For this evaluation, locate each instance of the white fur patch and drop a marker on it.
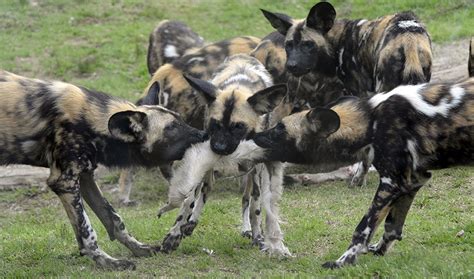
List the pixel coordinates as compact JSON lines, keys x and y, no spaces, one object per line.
{"x":412,"y":94}
{"x":386,"y":180}
{"x":170,"y":51}
{"x":199,"y":159}
{"x":263,"y":74}
{"x":341,"y":53}
{"x":236,"y":79}
{"x":411,"y":145}
{"x":198,"y":59}
{"x":362,"y":21}
{"x":408,"y":23}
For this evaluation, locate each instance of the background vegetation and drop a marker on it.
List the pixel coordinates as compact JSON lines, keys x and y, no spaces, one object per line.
{"x":102,"y":45}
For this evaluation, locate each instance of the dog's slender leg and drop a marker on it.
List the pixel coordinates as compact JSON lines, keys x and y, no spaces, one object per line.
{"x":125,"y":186}
{"x":271,"y":183}
{"x":175,"y":234}
{"x":67,"y":186}
{"x":201,"y":198}
{"x":109,"y":217}
{"x":397,"y":215}
{"x":255,"y":212}
{"x":247,"y":184}
{"x":360,"y":174}
{"x":387,"y":192}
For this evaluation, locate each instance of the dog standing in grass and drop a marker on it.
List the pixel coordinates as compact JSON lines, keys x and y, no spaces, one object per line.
{"x":367,"y":56}
{"x":241,"y":99}
{"x":177,"y":95}
{"x":70,"y":130}
{"x":411,"y":130}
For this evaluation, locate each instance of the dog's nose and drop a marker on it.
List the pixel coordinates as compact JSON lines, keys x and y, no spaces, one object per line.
{"x":219,"y":147}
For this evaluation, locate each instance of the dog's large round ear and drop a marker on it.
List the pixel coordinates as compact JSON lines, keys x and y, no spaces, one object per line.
{"x":205,"y":88}
{"x":280,"y":22}
{"x":323,"y":121}
{"x":129,"y":126}
{"x":321,"y":17}
{"x":267,"y":99}
{"x":152,"y":97}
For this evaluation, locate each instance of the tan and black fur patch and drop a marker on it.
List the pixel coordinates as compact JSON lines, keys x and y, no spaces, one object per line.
{"x":170,"y":40}
{"x":175,"y":92}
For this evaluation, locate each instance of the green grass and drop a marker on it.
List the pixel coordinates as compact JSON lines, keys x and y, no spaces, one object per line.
{"x":37,"y":240}
{"x":102,"y":45}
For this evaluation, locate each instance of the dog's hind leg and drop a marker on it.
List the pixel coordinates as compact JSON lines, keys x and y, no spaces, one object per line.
{"x":67,"y":186}
{"x":125,"y":186}
{"x":271,"y":176}
{"x":111,"y":220}
{"x":396,"y":217}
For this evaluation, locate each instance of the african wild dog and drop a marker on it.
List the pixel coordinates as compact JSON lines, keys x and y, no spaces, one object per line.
{"x":177,"y":95}
{"x":368,"y":56}
{"x":307,"y":91}
{"x":409,"y":130}
{"x":170,"y":40}
{"x":70,"y":130}
{"x":240,"y":97}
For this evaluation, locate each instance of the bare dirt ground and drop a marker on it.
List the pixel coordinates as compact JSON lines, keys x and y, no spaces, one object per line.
{"x":450,"y":64}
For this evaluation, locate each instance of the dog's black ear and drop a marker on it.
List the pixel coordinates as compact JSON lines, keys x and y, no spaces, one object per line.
{"x":267,"y":99}
{"x":321,"y":17}
{"x":280,"y":22}
{"x":205,"y":88}
{"x":323,"y":121}
{"x":129,"y":125}
{"x":152,"y":97}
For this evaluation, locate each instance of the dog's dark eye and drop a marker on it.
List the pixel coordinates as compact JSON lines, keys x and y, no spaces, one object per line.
{"x":239,"y":126}
{"x":214,"y":125}
{"x":307,"y":45}
{"x":280,"y":127}
{"x":288,"y":45}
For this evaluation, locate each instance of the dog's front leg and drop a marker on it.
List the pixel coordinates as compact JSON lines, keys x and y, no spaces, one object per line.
{"x":67,"y":186}
{"x":111,"y":219}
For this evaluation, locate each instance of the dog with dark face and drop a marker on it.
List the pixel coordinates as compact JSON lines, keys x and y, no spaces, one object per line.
{"x":307,"y":91}
{"x":368,"y":56}
{"x":409,"y":131}
{"x":177,"y":95}
{"x":241,"y":100}
{"x":170,"y":40}
{"x":70,"y":130}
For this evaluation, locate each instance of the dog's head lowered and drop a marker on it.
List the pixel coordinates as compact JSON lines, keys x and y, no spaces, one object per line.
{"x":306,"y":43}
{"x":235,"y":113}
{"x":161,"y":133}
{"x":297,"y":135}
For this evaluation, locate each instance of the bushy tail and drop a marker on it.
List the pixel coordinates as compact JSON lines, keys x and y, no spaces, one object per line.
{"x":470,"y":66}
{"x":417,"y":58}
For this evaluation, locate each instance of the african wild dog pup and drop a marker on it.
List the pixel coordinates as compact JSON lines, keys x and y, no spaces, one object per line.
{"x":170,"y":40}
{"x":240,"y":97}
{"x":70,"y":130}
{"x":177,"y":95}
{"x":368,"y":56}
{"x":410,"y":130}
